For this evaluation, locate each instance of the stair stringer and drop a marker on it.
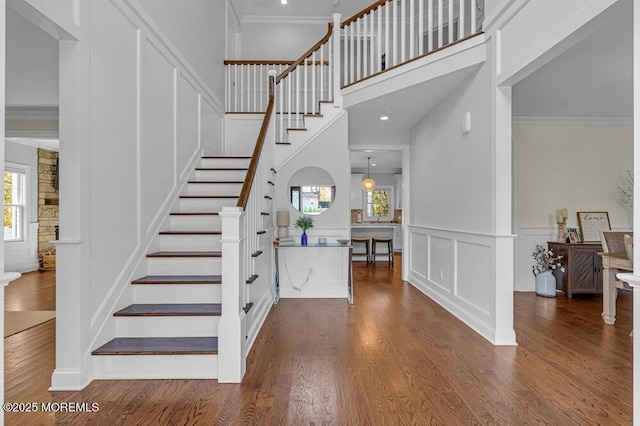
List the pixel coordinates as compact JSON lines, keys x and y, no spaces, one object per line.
{"x":300,"y":139}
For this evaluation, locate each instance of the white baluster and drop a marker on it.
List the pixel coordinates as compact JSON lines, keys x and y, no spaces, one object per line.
{"x":450,"y":32}
{"x":313,"y":80}
{"x":297,"y":71}
{"x":474,"y":24}
{"x":306,"y":86}
{"x":352,"y":53}
{"x":321,"y":68}
{"x":371,"y":39}
{"x":403,"y":31}
{"x":254,"y":70}
{"x":412,"y":36}
{"x":394,"y":45}
{"x":365,"y":48}
{"x":379,"y":12}
{"x":281,"y":84}
{"x":235,"y":88}
{"x":289,"y":108}
{"x":242,"y":88}
{"x":420,"y":27}
{"x":358,"y":51}
{"x":430,"y":25}
{"x":347,"y":52}
{"x":461,"y":20}
{"x":387,"y":54}
{"x":330,"y":70}
{"x":440,"y":23}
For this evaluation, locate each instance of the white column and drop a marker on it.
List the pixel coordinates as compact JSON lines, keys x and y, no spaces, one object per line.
{"x":232,"y":324}
{"x":336,"y":61}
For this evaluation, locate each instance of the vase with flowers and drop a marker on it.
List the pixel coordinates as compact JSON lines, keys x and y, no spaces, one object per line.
{"x":545,"y":263}
{"x":304,"y":222}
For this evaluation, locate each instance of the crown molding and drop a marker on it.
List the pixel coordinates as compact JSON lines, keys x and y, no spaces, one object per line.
{"x":263,"y":19}
{"x":574,"y":121}
{"x":32,"y":113}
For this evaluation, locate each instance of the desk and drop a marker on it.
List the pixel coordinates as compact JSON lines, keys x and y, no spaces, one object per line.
{"x":320,"y":246}
{"x":612,"y":264}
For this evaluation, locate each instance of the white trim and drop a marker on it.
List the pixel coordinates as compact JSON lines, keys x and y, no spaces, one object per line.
{"x":35,"y":141}
{"x":574,"y":121}
{"x":232,"y":18}
{"x":455,"y":231}
{"x":261,"y":19}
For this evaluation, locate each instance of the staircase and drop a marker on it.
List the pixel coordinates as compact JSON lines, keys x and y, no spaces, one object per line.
{"x":168,"y":332}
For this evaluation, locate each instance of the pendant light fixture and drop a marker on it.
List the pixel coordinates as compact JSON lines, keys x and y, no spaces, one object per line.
{"x":368,"y":184}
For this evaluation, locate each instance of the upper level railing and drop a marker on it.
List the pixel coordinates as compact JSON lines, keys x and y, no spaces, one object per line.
{"x":391,"y":32}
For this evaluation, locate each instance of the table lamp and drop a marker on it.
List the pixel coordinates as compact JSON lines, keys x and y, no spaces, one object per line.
{"x":282,"y":220}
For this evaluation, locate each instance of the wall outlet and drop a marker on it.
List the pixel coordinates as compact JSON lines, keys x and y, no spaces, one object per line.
{"x":441,"y":275}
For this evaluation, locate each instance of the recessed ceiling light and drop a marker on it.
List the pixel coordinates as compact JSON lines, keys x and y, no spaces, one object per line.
{"x":386,"y":115}
{"x":283,"y":1}
{"x":373,"y":164}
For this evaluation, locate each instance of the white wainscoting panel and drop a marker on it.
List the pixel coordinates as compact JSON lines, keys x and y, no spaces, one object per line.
{"x":468,"y":259}
{"x":188,"y":123}
{"x":241,"y":133}
{"x":525,"y":243}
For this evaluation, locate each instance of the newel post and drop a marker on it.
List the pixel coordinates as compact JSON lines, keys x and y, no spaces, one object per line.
{"x":232,"y":324}
{"x":337,"y":61}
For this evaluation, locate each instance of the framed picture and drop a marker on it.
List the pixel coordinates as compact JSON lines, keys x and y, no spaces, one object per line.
{"x":574,"y":235}
{"x":591,"y":223}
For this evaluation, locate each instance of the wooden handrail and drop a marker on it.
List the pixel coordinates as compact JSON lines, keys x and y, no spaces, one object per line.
{"x":255,"y":158}
{"x":308,"y":53}
{"x":363,"y":12}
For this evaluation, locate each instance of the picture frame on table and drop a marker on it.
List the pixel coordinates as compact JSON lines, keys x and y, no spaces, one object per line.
{"x":591,"y":223}
{"x":573,"y":234}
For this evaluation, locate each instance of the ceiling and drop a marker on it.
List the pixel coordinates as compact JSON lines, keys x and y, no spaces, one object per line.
{"x":299,"y":8}
{"x":386,"y":161}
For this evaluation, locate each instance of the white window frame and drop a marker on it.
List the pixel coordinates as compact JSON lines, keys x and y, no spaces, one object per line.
{"x":24,"y":205}
{"x":391,"y":205}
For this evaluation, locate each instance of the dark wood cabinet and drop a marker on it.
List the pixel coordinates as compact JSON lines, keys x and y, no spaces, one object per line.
{"x":583,"y":267}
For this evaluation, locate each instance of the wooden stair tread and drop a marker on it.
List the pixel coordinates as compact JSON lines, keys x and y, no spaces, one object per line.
{"x":186,"y":254}
{"x":251,"y":279}
{"x":256,"y":254}
{"x":179,"y":279}
{"x":222,"y":169}
{"x":159,"y":346}
{"x":190,"y":233}
{"x":298,"y":129}
{"x":283,"y":143}
{"x":230,"y":158}
{"x":248,"y":307}
{"x":170,"y":309}
{"x":210,"y":196}
{"x":212,"y":182}
{"x":195,"y":214}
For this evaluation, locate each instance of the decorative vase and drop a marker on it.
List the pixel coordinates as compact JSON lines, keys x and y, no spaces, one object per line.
{"x":546,"y":284}
{"x":303,"y":238}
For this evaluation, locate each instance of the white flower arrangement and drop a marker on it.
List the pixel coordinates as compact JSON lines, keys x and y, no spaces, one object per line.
{"x":545,"y":260}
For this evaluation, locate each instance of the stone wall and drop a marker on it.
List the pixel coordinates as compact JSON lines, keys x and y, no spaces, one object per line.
{"x":48,"y":203}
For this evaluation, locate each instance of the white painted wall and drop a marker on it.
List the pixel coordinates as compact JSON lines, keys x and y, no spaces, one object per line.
{"x":241,"y":133}
{"x":328,"y":151}
{"x":284,"y":41}
{"x":198,"y":33}
{"x":566,"y":165}
{"x":146,"y":115}
{"x":32,"y":64}
{"x":378,"y":136}
{"x":22,"y":256}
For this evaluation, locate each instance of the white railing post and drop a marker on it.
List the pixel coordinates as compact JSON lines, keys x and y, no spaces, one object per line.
{"x":336,"y":61}
{"x":232,"y":324}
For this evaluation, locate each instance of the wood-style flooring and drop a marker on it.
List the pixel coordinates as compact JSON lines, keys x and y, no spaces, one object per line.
{"x":394,"y":357}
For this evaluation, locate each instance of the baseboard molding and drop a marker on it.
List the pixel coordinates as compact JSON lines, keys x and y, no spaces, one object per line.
{"x":485,"y":330}
{"x":69,"y":380}
{"x":262,"y":311}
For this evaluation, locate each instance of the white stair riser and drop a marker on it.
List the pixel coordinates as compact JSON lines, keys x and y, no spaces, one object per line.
{"x":190,"y":242}
{"x":206,"y":175}
{"x":195,"y":223}
{"x":184,"y":265}
{"x":221,"y":163}
{"x":156,"y":366}
{"x":213,"y":189}
{"x":169,"y":326}
{"x":205,"y":204}
{"x":177,"y":293}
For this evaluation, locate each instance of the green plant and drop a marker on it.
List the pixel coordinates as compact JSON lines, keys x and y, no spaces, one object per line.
{"x":304,"y":222}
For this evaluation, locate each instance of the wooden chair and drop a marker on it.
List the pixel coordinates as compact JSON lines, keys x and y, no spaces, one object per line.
{"x":617,"y":256}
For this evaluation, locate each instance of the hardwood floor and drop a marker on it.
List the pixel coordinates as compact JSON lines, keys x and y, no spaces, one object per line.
{"x":394,"y":357}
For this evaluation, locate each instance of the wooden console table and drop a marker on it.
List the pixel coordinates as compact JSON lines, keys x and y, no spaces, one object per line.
{"x":583,"y":267}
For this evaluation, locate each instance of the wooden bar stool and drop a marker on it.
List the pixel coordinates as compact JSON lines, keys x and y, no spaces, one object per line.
{"x":364,"y":240}
{"x":389,"y":241}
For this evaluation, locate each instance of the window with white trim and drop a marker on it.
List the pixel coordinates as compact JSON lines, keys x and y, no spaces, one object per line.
{"x":379,"y":203}
{"x":15,"y":194}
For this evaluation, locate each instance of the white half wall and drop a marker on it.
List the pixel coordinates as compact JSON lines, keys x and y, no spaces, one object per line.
{"x":241,"y":133}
